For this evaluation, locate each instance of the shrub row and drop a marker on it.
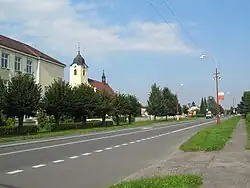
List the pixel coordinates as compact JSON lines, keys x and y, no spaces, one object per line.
{"x":12,"y":131}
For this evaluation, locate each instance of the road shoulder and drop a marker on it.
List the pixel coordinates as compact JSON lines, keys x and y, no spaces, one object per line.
{"x":229,"y":167}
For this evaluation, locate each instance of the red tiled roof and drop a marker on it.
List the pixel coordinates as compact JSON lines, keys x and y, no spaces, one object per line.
{"x":100,"y":86}
{"x":19,"y":46}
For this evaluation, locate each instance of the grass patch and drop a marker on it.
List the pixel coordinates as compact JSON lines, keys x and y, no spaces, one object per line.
{"x":248,"y":131}
{"x":177,"y":181}
{"x":85,"y":130}
{"x":213,"y":138}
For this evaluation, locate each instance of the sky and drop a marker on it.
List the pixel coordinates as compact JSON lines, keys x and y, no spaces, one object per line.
{"x":132,"y":42}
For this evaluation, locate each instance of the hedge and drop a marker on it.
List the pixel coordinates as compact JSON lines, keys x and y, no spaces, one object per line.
{"x":90,"y":124}
{"x":11,"y":131}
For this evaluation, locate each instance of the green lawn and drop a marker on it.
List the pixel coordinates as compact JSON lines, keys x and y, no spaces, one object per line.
{"x":84,"y":131}
{"x":180,"y":181}
{"x":212,"y":138}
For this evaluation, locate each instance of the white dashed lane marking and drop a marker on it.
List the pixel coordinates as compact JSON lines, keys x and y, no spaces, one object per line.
{"x":131,"y":142}
{"x":125,"y":144}
{"x":86,"y":154}
{"x":39,"y":166}
{"x":117,"y":146}
{"x":98,"y":151}
{"x":108,"y":148}
{"x":73,"y":157}
{"x":58,"y":161}
{"x":14,"y":172}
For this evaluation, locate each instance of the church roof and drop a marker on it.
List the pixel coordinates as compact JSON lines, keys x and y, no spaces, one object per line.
{"x":100,"y":86}
{"x":79,"y":60}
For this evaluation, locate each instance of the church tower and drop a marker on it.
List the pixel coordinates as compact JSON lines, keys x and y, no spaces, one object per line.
{"x":78,"y":71}
{"x":104,"y":78}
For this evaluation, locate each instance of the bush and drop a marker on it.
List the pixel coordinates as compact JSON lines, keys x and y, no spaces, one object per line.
{"x":12,"y":131}
{"x":90,"y":124}
{"x":123,"y":119}
{"x":200,"y":115}
{"x":45,"y":121}
{"x":248,"y":118}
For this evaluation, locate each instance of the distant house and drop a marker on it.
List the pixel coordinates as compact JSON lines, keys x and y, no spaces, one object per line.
{"x":79,"y":75}
{"x":193,"y":110}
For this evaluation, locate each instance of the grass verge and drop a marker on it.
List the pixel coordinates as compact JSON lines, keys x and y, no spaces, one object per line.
{"x":248,"y":131}
{"x":177,"y":181}
{"x":86,"y":130}
{"x":213,"y":138}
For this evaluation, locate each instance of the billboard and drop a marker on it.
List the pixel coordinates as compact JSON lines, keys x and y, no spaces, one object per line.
{"x":221,"y":96}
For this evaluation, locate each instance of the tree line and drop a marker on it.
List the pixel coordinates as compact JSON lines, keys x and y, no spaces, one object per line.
{"x":23,"y":97}
{"x":209,"y":104}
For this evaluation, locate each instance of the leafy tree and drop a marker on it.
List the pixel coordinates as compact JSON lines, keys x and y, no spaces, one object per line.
{"x":119,"y":103}
{"x":212,"y":105}
{"x":180,"y":109}
{"x":166,"y":101}
{"x":2,"y":94}
{"x":22,"y":98}
{"x":155,"y":105}
{"x":105,"y":105}
{"x":85,"y":101}
{"x":173,"y":102}
{"x":132,"y":107}
{"x":57,"y":100}
{"x":185,"y":109}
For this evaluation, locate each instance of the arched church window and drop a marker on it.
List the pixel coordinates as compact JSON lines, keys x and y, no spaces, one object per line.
{"x":83,"y":72}
{"x":75,"y":72}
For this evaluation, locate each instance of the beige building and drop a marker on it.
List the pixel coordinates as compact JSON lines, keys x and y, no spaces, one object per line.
{"x":19,"y":57}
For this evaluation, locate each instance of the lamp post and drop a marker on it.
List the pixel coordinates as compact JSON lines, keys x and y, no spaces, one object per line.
{"x":216,"y":77}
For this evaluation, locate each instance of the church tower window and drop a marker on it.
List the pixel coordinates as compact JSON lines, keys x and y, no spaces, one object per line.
{"x":75,"y":72}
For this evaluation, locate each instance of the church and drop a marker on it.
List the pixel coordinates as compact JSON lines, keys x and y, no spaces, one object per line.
{"x":79,"y":75}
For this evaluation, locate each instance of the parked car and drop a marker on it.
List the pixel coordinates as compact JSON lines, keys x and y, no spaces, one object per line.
{"x":209,"y":115}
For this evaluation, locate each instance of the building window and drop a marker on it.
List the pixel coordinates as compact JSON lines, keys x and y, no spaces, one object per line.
{"x":17,"y":64}
{"x":75,"y":72}
{"x":4,"y":60}
{"x":83,"y":72}
{"x":29,"y":67}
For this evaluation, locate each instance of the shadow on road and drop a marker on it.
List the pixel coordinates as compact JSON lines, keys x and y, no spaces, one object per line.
{"x":7,"y":186}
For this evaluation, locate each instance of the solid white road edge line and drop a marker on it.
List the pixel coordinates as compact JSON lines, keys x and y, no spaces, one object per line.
{"x":93,"y":139}
{"x":90,"y":134}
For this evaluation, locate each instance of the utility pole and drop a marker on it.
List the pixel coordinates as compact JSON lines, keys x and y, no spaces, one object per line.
{"x":217,"y":77}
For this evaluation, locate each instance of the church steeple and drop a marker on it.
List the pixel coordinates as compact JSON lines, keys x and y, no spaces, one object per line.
{"x":103,"y":77}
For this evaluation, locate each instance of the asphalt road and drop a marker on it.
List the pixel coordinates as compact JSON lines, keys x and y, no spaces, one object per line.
{"x":93,"y":160}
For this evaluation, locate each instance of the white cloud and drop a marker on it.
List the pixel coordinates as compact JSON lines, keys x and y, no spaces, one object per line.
{"x":58,"y":25}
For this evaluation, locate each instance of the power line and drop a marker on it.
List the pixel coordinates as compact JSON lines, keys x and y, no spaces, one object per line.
{"x":178,"y":19}
{"x":162,"y":17}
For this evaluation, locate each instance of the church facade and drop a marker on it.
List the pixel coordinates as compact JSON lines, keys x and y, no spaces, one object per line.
{"x":79,"y":75}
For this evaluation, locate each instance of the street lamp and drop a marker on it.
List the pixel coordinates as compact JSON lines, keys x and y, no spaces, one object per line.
{"x":217,"y":77}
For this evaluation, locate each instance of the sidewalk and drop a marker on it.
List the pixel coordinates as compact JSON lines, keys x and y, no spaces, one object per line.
{"x":229,"y":168}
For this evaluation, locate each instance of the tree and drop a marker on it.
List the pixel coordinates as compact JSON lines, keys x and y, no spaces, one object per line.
{"x":202,"y":107}
{"x":205,"y":103}
{"x":85,"y":101}
{"x":22,"y":98}
{"x":2,"y":94}
{"x":180,"y":109}
{"x":57,"y":100}
{"x":185,"y":109}
{"x":132,"y":107}
{"x":212,"y":105}
{"x":105,"y":105}
{"x":155,"y":105}
{"x":166,"y":97}
{"x":119,"y":103}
